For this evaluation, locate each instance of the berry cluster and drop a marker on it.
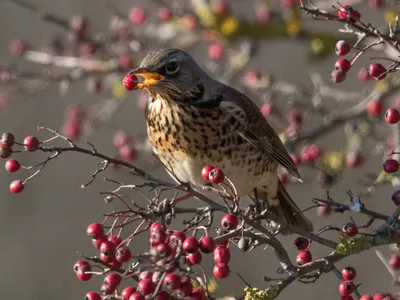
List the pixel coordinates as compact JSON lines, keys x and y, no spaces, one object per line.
{"x":347,"y":287}
{"x":304,"y":256}
{"x":169,"y":251}
{"x":7,"y":142}
{"x":213,"y":175}
{"x":342,"y":48}
{"x":123,"y":142}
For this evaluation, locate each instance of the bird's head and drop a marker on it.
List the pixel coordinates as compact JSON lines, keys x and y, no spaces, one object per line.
{"x":171,"y":73}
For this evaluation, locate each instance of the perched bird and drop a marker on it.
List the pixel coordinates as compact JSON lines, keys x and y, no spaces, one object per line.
{"x":193,"y":121}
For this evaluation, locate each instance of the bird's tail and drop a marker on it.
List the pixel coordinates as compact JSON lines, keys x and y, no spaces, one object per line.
{"x":283,"y":206}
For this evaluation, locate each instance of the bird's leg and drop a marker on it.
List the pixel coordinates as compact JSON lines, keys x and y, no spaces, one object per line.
{"x":259,"y":205}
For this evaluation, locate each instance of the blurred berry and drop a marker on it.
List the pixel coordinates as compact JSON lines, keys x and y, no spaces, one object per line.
{"x":164,"y":14}
{"x":338,"y":76}
{"x":18,"y":47}
{"x":137,"y":16}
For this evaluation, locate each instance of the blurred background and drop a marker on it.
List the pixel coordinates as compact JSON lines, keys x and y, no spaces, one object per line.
{"x":266,"y":49}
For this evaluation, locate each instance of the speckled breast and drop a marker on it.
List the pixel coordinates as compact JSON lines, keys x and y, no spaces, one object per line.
{"x":187,"y":138}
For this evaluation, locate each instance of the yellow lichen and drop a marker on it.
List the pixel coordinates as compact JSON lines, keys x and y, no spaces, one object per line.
{"x":353,"y":245}
{"x":253,"y":293}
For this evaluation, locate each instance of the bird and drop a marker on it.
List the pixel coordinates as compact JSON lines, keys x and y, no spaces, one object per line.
{"x":193,"y":121}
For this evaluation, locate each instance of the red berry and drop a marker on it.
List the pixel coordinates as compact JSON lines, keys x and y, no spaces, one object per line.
{"x":146,"y":286}
{"x":194,"y":258}
{"x":18,"y":47}
{"x":221,"y":270}
{"x":164,"y":14}
{"x":379,"y":296}
{"x":220,"y":7}
{"x":394,"y":261}
{"x":303,"y":257}
{"x":71,"y":129}
{"x":268,"y":109}
{"x":263,"y":15}
{"x":314,"y":151}
{"x":163,"y":250}
{"x":137,"y":296}
{"x":157,"y":236}
{"x":216,"y":176}
{"x":82,"y":275}
{"x":338,"y":76}
{"x":190,"y":244}
{"x":127,"y":292}
{"x":346,"y":288}
{"x":121,"y":139}
{"x":396,"y":197}
{"x":186,"y":286}
{"x":98,"y":241}
{"x":189,"y":21}
{"x":172,"y":281}
{"x":127,"y":152}
{"x":392,"y":116}
{"x":349,"y":273}
{"x":74,"y":113}
{"x":301,"y":243}
{"x":130,"y":82}
{"x":353,"y":159}
{"x":216,"y":52}
{"x":146,"y":275}
{"x":123,"y":255}
{"x":296,"y":159}
{"x":197,"y":294}
{"x":374,"y":108}
{"x":391,"y":166}
{"x":115,"y":239}
{"x":107,"y":251}
{"x":82,"y":264}
{"x":5,"y":152}
{"x":346,"y":12}
{"x":16,"y":186}
{"x":363,"y":74}
{"x":342,"y":65}
{"x":155,"y":226}
{"x":252,"y":78}
{"x":205,"y":172}
{"x":206,"y":244}
{"x":113,"y":280}
{"x":377,"y":71}
{"x":137,"y":16}
{"x":350,"y":229}
{"x":31,"y":143}
{"x":106,"y":290}
{"x":95,"y":230}
{"x":365,"y":297}
{"x":163,"y":295}
{"x":295,"y":117}
{"x":376,"y":4}
{"x":342,"y":48}
{"x":125,"y":61}
{"x":229,"y":222}
{"x":178,"y":235}
{"x":12,"y":165}
{"x":7,"y":139}
{"x":222,"y":254}
{"x":93,"y":296}
{"x":115,"y":263}
{"x":324,"y":210}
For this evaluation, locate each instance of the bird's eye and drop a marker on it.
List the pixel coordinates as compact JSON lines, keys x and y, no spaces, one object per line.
{"x":172,"y":67}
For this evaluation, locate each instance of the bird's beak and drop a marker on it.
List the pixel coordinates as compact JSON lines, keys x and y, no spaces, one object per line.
{"x":150,"y":78}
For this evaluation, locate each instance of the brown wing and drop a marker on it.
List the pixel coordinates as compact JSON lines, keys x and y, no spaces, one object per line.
{"x":256,"y":128}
